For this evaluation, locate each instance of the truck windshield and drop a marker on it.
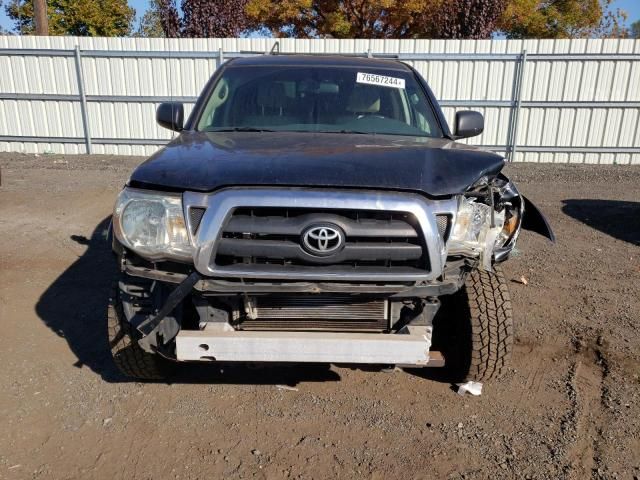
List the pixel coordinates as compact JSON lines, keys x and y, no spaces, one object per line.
{"x":319,"y":99}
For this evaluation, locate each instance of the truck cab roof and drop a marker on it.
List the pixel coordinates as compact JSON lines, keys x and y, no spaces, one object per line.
{"x":319,"y":60}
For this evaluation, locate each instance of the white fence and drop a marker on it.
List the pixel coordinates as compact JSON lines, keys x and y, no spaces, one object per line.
{"x":565,"y":101}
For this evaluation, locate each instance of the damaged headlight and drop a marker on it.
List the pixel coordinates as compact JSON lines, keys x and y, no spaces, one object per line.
{"x":511,"y":225}
{"x":473,"y":233}
{"x":152,"y":224}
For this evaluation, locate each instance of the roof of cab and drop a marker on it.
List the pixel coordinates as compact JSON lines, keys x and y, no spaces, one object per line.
{"x":318,"y":60}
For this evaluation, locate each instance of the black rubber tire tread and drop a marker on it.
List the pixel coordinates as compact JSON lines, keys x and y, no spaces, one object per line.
{"x":491,"y":318}
{"x":130,"y":359}
{"x":474,"y":329}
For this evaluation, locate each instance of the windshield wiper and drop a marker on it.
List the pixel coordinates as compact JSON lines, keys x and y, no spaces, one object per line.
{"x":239,"y":129}
{"x":358,"y":132}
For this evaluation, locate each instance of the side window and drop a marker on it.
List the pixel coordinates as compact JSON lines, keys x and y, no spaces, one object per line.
{"x":423,"y":114}
{"x":219,"y":96}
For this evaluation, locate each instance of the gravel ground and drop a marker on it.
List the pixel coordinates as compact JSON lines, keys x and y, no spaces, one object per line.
{"x":569,"y":407}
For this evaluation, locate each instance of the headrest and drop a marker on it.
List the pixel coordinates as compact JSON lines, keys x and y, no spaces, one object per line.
{"x":271,"y":95}
{"x":364,"y":99}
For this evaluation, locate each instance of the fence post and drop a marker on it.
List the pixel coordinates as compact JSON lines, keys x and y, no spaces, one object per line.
{"x":83,"y":101}
{"x":512,"y":136}
{"x":220,"y":57}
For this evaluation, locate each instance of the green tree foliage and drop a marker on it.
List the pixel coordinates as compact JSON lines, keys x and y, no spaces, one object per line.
{"x":561,"y":19}
{"x":635,"y":29}
{"x":85,"y":18}
{"x":151,"y":22}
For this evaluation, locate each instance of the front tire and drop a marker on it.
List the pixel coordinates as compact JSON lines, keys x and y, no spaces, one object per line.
{"x":475,"y":331}
{"x":130,"y":359}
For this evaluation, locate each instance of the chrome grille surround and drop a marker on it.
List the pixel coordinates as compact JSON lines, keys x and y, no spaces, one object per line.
{"x":221,"y":204}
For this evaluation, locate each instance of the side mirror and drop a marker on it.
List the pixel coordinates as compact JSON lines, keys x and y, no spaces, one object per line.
{"x":468,"y":124}
{"x":170,"y":115}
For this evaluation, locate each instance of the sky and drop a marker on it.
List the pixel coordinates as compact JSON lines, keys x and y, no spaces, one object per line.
{"x":631,"y":6}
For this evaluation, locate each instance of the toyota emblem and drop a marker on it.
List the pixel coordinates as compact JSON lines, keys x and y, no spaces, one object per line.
{"x":323,"y":240}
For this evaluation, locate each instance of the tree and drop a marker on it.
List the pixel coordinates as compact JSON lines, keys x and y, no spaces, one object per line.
{"x":635,"y":29}
{"x":40,"y":17}
{"x":468,"y":18}
{"x":437,"y":18}
{"x":86,"y":18}
{"x":560,"y":19}
{"x":170,"y":18}
{"x":151,"y":22}
{"x":345,"y":18}
{"x":203,"y":18}
{"x":378,"y":18}
{"x":213,"y":18}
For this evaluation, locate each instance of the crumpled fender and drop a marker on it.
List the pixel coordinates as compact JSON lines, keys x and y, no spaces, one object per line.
{"x":531,"y":218}
{"x":535,"y":221}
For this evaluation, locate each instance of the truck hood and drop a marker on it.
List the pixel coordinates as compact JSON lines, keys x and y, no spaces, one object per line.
{"x":206,"y":161}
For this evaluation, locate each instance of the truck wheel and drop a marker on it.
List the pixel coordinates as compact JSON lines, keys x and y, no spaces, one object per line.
{"x":476,"y":330}
{"x":130,"y":359}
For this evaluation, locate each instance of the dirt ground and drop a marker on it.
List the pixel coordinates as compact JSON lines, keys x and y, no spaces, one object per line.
{"x":569,"y":407}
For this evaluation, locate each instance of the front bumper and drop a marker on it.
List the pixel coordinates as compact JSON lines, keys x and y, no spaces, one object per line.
{"x":222,"y":343}
{"x":206,"y":279}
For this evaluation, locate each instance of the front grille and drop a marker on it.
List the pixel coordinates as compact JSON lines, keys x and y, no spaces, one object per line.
{"x":318,"y":312}
{"x":195,"y":217}
{"x":270,"y":238}
{"x":443,"y":222}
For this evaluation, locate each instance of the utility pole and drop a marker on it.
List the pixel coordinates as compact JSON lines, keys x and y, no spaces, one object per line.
{"x":40,"y":17}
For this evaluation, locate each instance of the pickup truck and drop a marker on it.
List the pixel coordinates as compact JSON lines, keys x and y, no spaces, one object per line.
{"x":316,"y":209}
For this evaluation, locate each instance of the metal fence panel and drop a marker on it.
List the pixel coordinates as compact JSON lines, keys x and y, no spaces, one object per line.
{"x":570,"y":101}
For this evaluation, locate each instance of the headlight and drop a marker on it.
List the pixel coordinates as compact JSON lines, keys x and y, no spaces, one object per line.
{"x":152,"y":225}
{"x":511,"y":226}
{"x":472,"y":232}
